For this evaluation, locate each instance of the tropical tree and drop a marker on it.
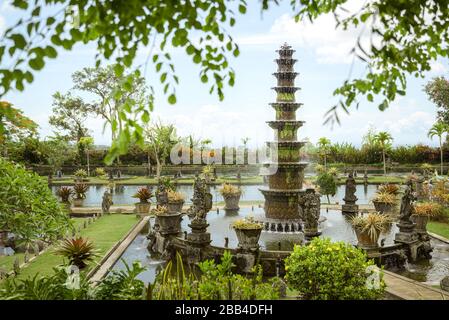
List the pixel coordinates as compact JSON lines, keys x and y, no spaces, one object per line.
{"x":13,"y":125}
{"x":69,"y":116}
{"x":86,"y":143}
{"x":438,"y":92}
{"x":439,"y":129}
{"x":160,"y":139}
{"x":383,"y":139}
{"x":323,"y":147}
{"x":116,"y":98}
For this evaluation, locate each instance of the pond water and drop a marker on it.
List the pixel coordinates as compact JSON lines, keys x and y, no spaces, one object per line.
{"x":335,"y":226}
{"x":122,"y":194}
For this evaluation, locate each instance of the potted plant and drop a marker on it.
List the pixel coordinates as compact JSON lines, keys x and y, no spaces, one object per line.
{"x":248,"y":232}
{"x":80,"y":190}
{"x":368,"y":228}
{"x":79,"y":251}
{"x":100,"y":172}
{"x":175,"y":201}
{"x":384,"y":202}
{"x":144,"y":194}
{"x":81,"y":175}
{"x":231,"y":195}
{"x":168,"y":222}
{"x":65,"y":193}
{"x":422,"y":212}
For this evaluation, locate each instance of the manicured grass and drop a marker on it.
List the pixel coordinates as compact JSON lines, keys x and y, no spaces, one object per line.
{"x":104,"y":233}
{"x":440,"y":228}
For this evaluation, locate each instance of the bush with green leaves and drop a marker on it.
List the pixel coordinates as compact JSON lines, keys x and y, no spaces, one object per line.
{"x":28,"y":208}
{"x":122,"y":284}
{"x":325,"y":270}
{"x":55,"y":286}
{"x":327,"y":182}
{"x":80,"y":173}
{"x":215,"y":282}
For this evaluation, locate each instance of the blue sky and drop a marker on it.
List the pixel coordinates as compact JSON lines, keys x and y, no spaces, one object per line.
{"x":323,"y":63}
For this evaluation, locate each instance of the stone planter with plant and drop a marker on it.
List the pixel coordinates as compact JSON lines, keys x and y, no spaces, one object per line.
{"x":423,"y":211}
{"x":248,"y":233}
{"x":384,"y":202}
{"x":168,"y":223}
{"x":80,"y":190}
{"x":175,"y":201}
{"x":144,"y":195}
{"x":231,"y":195}
{"x":368,"y":228}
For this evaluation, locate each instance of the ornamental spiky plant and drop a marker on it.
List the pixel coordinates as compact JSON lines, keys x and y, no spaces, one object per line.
{"x":64,"y":193}
{"x":79,"y":251}
{"x":80,"y":190}
{"x":143,"y":194}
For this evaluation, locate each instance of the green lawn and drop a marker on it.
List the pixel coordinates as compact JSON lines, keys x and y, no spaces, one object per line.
{"x":440,"y":228}
{"x":104,"y":232}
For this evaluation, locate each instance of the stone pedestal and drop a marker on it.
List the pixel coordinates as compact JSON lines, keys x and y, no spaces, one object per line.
{"x":409,"y":238}
{"x":199,"y":237}
{"x":349,"y":208}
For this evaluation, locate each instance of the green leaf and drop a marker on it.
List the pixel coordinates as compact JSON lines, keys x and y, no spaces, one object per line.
{"x":172,"y":99}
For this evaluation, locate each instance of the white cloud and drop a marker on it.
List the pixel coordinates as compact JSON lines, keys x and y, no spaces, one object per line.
{"x":329,"y":44}
{"x":2,"y":23}
{"x":221,"y":125}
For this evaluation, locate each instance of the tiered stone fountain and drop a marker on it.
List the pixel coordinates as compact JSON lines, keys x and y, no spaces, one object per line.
{"x":282,"y":207}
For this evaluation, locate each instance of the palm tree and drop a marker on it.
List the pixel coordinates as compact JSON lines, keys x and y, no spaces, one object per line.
{"x":439,"y":129}
{"x":323,"y":145}
{"x":204,"y":143}
{"x":245,"y":151}
{"x":383,"y":139}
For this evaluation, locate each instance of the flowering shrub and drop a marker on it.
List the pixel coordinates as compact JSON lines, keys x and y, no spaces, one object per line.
{"x":326,"y":270}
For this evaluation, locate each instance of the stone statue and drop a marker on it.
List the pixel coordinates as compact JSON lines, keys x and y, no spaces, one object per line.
{"x":350,"y":197}
{"x":202,"y":199}
{"x":161,"y":194}
{"x":407,"y":209}
{"x":107,"y":202}
{"x":310,"y":203}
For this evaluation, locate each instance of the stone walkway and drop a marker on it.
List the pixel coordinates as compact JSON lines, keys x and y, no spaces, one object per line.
{"x":407,"y":289}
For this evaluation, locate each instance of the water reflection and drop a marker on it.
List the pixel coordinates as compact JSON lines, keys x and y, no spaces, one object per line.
{"x":122,"y":194}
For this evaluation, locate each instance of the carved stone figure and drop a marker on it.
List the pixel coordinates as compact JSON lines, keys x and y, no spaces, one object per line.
{"x":310,"y":203}
{"x":406,"y":209}
{"x":107,"y":202}
{"x":161,"y":194}
{"x":350,"y":198}
{"x":202,"y":199}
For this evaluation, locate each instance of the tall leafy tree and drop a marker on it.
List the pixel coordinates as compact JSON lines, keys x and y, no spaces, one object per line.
{"x":87,"y":143}
{"x":115,"y":97}
{"x":383,"y":139}
{"x":323,"y":146}
{"x":438,"y":92}
{"x":439,"y":129}
{"x":160,"y":139}
{"x":69,"y":116}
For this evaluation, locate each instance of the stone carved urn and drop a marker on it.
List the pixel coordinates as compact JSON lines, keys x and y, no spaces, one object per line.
{"x":175,"y":206}
{"x":383,"y":207}
{"x":420,"y":222}
{"x":232,"y":202}
{"x":248,"y":233}
{"x":142,"y":208}
{"x":169,"y":223}
{"x":364,"y":240}
{"x":231,"y":195}
{"x":248,"y":238}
